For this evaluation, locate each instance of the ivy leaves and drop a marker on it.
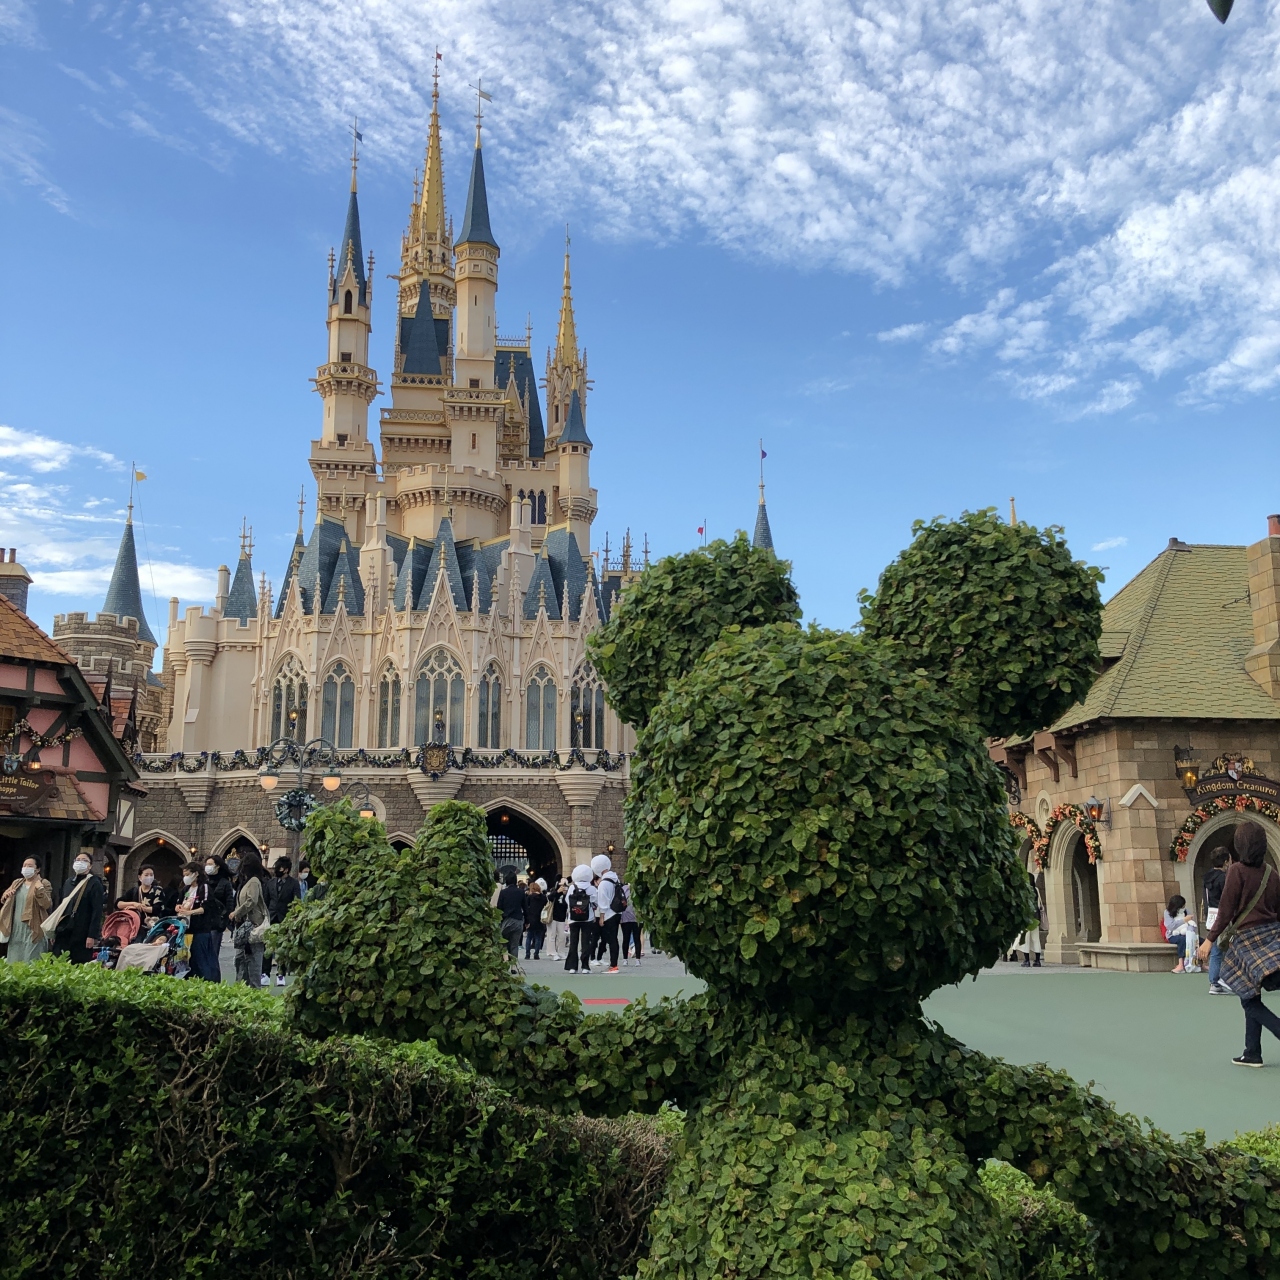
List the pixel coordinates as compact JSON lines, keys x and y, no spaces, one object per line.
{"x":677,"y":609}
{"x":1000,"y":612}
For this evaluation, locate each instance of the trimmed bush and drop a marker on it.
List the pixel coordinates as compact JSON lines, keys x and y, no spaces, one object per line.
{"x":1001,"y":613}
{"x":676,"y":609}
{"x":1052,"y":1239}
{"x":155,"y":1128}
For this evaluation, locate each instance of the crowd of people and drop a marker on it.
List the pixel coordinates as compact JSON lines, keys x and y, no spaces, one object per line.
{"x":582,"y":918}
{"x":217,"y":896}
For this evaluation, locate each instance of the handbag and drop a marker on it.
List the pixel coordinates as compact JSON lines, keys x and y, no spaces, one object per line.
{"x":546,"y":912}
{"x":1227,"y":936}
{"x":50,"y":925}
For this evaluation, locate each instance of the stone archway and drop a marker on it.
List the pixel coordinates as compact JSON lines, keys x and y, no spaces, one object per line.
{"x":523,"y":840}
{"x":160,"y":850}
{"x":1216,"y":831}
{"x":238,"y":838}
{"x":1072,"y":900}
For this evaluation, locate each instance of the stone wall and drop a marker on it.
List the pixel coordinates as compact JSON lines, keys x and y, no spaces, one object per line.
{"x":579,"y":811}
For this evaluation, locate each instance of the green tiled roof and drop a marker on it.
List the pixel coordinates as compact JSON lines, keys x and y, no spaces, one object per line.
{"x":1174,"y":641}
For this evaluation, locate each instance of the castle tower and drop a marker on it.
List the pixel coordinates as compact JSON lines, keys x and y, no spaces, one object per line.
{"x":477,"y":282}
{"x":763,"y":535}
{"x":342,"y":460}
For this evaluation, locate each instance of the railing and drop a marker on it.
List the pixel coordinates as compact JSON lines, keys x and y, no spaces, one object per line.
{"x":434,"y":759}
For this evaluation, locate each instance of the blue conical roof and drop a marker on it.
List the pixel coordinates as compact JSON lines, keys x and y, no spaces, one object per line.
{"x":351,"y":250}
{"x":422,"y":353}
{"x":124,"y":595}
{"x":475,"y":222}
{"x":763,"y":536}
{"x":575,"y":427}
{"x":242,"y":599}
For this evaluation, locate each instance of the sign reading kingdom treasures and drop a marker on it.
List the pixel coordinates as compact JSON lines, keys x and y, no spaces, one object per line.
{"x":22,"y":792}
{"x":1236,"y":775}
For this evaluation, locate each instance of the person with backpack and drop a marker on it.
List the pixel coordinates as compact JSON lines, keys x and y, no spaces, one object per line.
{"x":580,"y":908}
{"x":558,"y":925}
{"x":511,"y":904}
{"x":611,"y":902}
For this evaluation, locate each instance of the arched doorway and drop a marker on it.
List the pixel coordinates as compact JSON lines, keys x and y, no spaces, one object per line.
{"x":516,"y":840}
{"x":164,"y":854}
{"x":1086,"y":904}
{"x":1217,"y":833}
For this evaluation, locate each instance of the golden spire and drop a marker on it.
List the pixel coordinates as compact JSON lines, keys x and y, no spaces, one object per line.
{"x":356,"y":138}
{"x":567,"y":334}
{"x":432,"y":202}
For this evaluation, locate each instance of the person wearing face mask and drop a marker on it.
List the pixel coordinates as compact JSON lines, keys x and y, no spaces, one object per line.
{"x":194,"y":909}
{"x":249,"y":915}
{"x":23,"y":908}
{"x":221,"y":900}
{"x":304,"y":880}
{"x":280,"y":893}
{"x":151,"y":896}
{"x":78,"y":929}
{"x":233,"y":866}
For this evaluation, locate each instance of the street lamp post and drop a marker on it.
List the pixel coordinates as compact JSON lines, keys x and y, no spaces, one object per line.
{"x":284,"y":750}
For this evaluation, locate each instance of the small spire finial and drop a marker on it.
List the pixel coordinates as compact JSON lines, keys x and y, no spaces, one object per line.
{"x":356,"y":138}
{"x":1013,"y":512}
{"x":481,"y":98}
{"x":763,"y":456}
{"x":302,"y":506}
{"x":435,"y":78}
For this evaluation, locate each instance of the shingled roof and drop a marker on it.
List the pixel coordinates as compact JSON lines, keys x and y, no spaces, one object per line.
{"x":21,"y":638}
{"x":1174,"y":642}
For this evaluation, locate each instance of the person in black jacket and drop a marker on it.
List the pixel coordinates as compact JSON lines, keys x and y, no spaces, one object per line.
{"x":155,"y":900}
{"x":78,"y":930}
{"x":280,"y":892}
{"x":535,"y":931}
{"x":221,"y":900}
{"x":1214,"y":881}
{"x":194,"y":908}
{"x":511,"y":904}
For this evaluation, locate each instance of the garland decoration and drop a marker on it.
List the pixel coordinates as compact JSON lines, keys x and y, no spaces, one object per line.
{"x":295,"y":807}
{"x":1074,"y":814}
{"x":38,"y":740}
{"x":1181,"y":845}
{"x":1025,"y":823}
{"x":405,"y":758}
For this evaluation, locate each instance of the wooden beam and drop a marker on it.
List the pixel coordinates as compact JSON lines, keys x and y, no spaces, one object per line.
{"x":1014,"y":759}
{"x":1066,"y":751}
{"x":1044,"y":749}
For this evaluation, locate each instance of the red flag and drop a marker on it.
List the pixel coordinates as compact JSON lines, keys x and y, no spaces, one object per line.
{"x":700,"y":528}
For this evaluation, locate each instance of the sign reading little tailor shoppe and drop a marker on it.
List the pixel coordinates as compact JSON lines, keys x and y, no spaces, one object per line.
{"x":1236,"y":775}
{"x":21,"y":792}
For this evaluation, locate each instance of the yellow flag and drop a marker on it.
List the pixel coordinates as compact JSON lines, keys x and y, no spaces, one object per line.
{"x":139,"y":475}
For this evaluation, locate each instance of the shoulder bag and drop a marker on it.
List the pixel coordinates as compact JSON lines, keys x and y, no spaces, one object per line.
{"x":50,"y":925}
{"x":1227,"y":936}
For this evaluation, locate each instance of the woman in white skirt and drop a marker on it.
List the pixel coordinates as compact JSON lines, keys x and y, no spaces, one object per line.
{"x":1028,"y":944}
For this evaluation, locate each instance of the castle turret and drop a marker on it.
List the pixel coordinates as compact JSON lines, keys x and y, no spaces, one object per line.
{"x":477,"y":282}
{"x":566,"y":365}
{"x":342,"y":460}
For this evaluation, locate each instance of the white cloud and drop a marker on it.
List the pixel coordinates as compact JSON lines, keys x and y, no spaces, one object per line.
{"x":17,"y":23}
{"x":21,"y":147}
{"x":1112,"y":165}
{"x":43,"y":454}
{"x":1108,"y":543}
{"x":903,"y":333}
{"x":67,"y":534}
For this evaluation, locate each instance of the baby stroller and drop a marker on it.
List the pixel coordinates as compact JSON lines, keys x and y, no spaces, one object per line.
{"x":163,"y":950}
{"x":119,"y":929}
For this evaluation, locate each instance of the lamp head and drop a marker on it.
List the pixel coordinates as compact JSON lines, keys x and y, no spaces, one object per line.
{"x":332,"y":780}
{"x":268,"y":777}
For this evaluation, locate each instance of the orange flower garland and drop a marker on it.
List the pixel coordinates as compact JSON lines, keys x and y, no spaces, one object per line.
{"x":1181,"y":845}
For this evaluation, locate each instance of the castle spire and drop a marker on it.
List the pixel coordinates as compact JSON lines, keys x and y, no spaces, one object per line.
{"x":475,"y":221}
{"x":432,"y":203}
{"x":350,"y":251}
{"x":124,"y":594}
{"x":567,"y":334}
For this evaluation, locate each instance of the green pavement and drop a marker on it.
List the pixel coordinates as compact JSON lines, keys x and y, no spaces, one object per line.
{"x":1156,"y":1044}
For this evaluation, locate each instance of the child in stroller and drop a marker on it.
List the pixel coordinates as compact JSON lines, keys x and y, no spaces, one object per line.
{"x":119,"y":929}
{"x":163,"y":949}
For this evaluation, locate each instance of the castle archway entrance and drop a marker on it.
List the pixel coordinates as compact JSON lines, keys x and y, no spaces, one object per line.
{"x":516,"y":839}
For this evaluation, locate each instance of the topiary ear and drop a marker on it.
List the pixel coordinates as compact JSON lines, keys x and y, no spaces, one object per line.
{"x":1000,"y":612}
{"x":676,"y":609}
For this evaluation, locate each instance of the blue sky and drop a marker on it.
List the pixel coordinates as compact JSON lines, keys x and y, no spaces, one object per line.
{"x":935,"y":253}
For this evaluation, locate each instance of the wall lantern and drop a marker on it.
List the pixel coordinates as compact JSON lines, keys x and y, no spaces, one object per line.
{"x":610,"y":848}
{"x":1187,"y":769}
{"x":1099,"y":811}
{"x":365,"y":797}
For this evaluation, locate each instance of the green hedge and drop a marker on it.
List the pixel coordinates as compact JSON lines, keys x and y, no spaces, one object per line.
{"x":1052,"y":1240}
{"x":159,"y":1128}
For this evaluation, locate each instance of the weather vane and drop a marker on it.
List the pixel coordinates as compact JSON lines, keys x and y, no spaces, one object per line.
{"x":481,"y":97}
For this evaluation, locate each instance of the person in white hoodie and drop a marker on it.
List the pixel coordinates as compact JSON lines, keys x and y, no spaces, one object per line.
{"x":581,"y":910}
{"x":609,"y":904}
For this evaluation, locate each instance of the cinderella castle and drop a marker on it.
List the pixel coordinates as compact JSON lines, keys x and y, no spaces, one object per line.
{"x":443,"y":596}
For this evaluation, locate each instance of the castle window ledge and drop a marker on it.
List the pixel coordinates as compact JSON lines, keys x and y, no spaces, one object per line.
{"x":417,"y":380}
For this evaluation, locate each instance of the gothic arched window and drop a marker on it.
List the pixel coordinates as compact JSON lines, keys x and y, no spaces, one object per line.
{"x":540,"y":517}
{"x":489,"y":697}
{"x":338,"y":706}
{"x":438,"y":700}
{"x":586,"y":708}
{"x":540,"y":711}
{"x":289,"y":702}
{"x":389,"y":709}
{"x":346,"y":303}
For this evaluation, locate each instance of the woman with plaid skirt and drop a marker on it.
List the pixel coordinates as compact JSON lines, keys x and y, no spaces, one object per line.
{"x":1254,"y":952}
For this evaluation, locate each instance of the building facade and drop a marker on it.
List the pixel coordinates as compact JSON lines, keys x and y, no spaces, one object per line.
{"x":444,"y":594}
{"x":1123,"y":801}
